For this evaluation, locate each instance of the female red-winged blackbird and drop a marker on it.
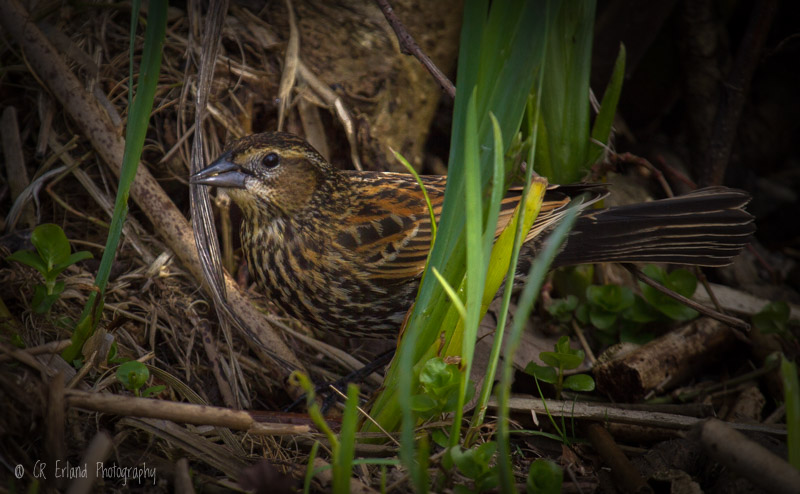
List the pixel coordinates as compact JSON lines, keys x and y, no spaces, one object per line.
{"x":344,"y":250}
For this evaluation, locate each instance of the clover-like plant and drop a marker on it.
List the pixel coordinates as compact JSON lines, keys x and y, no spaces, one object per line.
{"x":51,"y":257}
{"x":562,"y":359}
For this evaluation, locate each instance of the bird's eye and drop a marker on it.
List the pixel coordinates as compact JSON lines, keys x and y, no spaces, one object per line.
{"x":271,"y":160}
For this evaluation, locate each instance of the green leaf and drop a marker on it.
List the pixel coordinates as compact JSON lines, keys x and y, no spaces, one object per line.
{"x":133,"y":375}
{"x":562,"y":308}
{"x":51,"y":243}
{"x":582,"y":313}
{"x":579,"y":382}
{"x":153,"y":391}
{"x":343,"y":455}
{"x":773,"y":318}
{"x":641,"y":311}
{"x":423,"y":403}
{"x":452,"y":397}
{"x":562,"y":345}
{"x":440,"y":438}
{"x":436,"y":375}
{"x":655,"y":272}
{"x":682,"y":281}
{"x":565,"y":90}
{"x":602,"y":319}
{"x":135,"y":133}
{"x":544,"y":477}
{"x":473,"y":463}
{"x":29,"y":258}
{"x":565,"y":360}
{"x":43,"y":301}
{"x":608,"y":107}
{"x":542,"y":373}
{"x":72,"y":259}
{"x":610,"y":298}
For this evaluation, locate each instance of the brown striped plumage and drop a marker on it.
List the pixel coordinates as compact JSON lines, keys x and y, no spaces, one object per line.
{"x":344,"y":251}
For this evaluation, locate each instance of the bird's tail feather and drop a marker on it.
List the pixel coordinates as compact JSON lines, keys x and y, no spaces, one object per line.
{"x":707,"y":227}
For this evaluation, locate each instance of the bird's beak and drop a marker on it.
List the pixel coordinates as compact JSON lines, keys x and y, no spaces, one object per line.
{"x":221,"y":173}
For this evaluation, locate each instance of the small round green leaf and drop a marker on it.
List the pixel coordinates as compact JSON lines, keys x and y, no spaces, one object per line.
{"x":773,"y":318}
{"x":579,"y":382}
{"x":602,"y":319}
{"x":682,"y":282}
{"x":133,"y":375}
{"x":544,"y":477}
{"x":542,"y":373}
{"x":29,"y":258}
{"x":51,"y":243}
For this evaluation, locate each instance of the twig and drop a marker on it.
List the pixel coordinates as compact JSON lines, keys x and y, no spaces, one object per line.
{"x":187,"y":413}
{"x":638,"y":160}
{"x":735,"y":88}
{"x":747,"y":458}
{"x":706,"y":311}
{"x":613,"y":414}
{"x":586,"y":348}
{"x":410,"y":47}
{"x":629,"y":479}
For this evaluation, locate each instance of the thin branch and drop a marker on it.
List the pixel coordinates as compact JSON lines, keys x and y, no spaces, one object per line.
{"x":410,"y":47}
{"x":706,"y":311}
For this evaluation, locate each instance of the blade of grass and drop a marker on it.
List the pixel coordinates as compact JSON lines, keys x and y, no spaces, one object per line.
{"x":476,"y":266}
{"x":310,"y":468}
{"x":457,"y":303}
{"x":343,"y":455}
{"x":414,"y":173}
{"x":527,"y":299}
{"x":608,"y":107}
{"x":565,"y":88}
{"x":135,"y":133}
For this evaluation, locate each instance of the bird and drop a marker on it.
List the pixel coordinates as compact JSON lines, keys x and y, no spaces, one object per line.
{"x":344,"y":250}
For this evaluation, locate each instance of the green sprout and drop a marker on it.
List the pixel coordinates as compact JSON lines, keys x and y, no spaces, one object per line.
{"x":52,"y":256}
{"x":563,"y":358}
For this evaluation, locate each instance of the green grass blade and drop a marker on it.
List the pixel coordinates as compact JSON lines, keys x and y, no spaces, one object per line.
{"x":310,"y":468}
{"x":414,"y":173}
{"x":456,"y":301}
{"x":565,"y":90}
{"x":476,"y":264}
{"x":527,"y":299}
{"x":608,"y":107}
{"x":343,"y":460}
{"x":138,"y":120}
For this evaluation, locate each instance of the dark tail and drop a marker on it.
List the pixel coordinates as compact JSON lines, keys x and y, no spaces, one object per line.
{"x":707,"y":227}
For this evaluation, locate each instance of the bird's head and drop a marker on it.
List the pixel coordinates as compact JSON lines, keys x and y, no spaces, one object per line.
{"x":273,"y":172}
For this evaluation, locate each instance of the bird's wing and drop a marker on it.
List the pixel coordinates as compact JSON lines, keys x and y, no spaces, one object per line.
{"x":392,"y":234}
{"x":390,"y":230}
